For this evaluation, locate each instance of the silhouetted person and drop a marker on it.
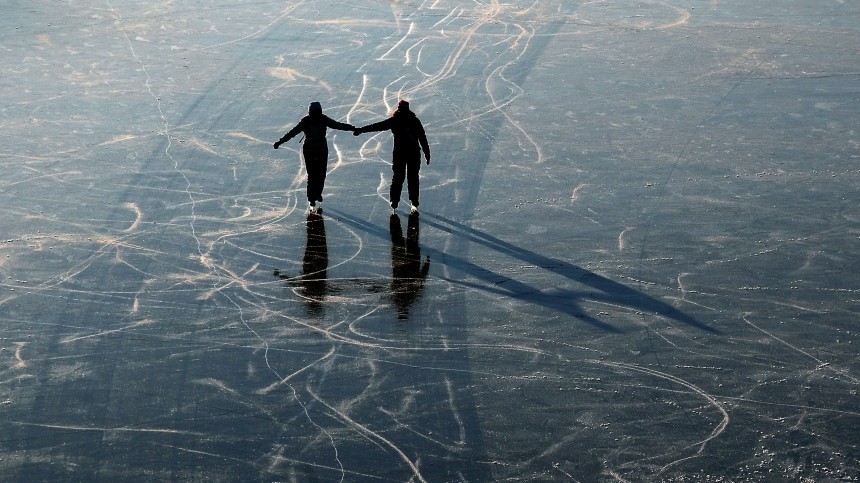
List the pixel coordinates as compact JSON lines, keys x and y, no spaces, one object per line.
{"x":315,"y":149}
{"x":409,"y":141}
{"x":407,"y":271}
{"x":313,"y":286}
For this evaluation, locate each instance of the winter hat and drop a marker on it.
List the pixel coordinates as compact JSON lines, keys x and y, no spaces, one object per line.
{"x":402,"y":105}
{"x":315,"y":108}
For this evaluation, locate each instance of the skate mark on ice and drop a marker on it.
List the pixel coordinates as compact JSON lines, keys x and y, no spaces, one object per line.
{"x":373,"y":435}
{"x":716,"y":432}
{"x":138,"y":216}
{"x":822,"y":365}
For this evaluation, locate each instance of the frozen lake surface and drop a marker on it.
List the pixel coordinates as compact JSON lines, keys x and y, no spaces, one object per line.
{"x":637,"y":257}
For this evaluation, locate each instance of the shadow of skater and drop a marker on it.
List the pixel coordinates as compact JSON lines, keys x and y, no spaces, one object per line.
{"x":407,"y":271}
{"x":593,"y":286}
{"x":312,"y":283}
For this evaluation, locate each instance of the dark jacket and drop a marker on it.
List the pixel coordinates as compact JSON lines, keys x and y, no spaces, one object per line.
{"x":314,"y":128}
{"x":407,"y":130}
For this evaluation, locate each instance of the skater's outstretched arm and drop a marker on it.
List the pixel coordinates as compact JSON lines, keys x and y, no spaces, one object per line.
{"x":331,"y":123}
{"x":293,"y":133}
{"x":383,"y":125}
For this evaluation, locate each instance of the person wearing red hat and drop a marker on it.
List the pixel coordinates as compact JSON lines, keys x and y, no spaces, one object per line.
{"x":409,"y":141}
{"x":315,"y":149}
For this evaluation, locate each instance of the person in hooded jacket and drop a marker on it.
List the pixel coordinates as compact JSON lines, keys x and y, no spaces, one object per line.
{"x":315,"y":149}
{"x":409,"y":141}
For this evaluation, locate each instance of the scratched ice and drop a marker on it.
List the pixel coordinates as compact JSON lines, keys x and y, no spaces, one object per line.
{"x":636,"y":258}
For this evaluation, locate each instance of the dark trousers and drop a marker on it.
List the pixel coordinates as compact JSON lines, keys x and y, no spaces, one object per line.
{"x":405,"y":167}
{"x":316,"y":160}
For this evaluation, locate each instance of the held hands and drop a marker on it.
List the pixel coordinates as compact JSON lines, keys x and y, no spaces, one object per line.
{"x":357,"y":131}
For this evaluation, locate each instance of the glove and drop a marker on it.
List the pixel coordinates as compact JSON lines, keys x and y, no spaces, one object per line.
{"x":277,"y":144}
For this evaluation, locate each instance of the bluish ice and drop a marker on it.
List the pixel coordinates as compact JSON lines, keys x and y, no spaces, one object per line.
{"x":636,"y":257}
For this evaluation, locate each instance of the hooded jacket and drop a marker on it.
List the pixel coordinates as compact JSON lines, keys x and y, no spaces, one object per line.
{"x":314,"y":127}
{"x":407,"y":130}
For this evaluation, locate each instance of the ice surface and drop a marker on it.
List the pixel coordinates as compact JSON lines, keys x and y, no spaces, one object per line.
{"x":636,"y":257}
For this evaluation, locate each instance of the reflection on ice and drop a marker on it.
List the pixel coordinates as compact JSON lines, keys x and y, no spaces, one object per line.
{"x":312,"y":281}
{"x":407,"y":270}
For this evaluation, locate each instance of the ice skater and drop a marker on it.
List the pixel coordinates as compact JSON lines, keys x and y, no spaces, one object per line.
{"x":409,"y":141}
{"x":315,"y":149}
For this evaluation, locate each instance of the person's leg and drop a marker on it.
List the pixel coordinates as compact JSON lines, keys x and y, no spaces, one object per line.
{"x":310,"y":162}
{"x":315,"y":164}
{"x":322,"y":165}
{"x":412,"y":168}
{"x":399,"y":168}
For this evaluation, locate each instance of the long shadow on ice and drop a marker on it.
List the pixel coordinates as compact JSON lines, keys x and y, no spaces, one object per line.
{"x":566,"y":301}
{"x":606,"y":290}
